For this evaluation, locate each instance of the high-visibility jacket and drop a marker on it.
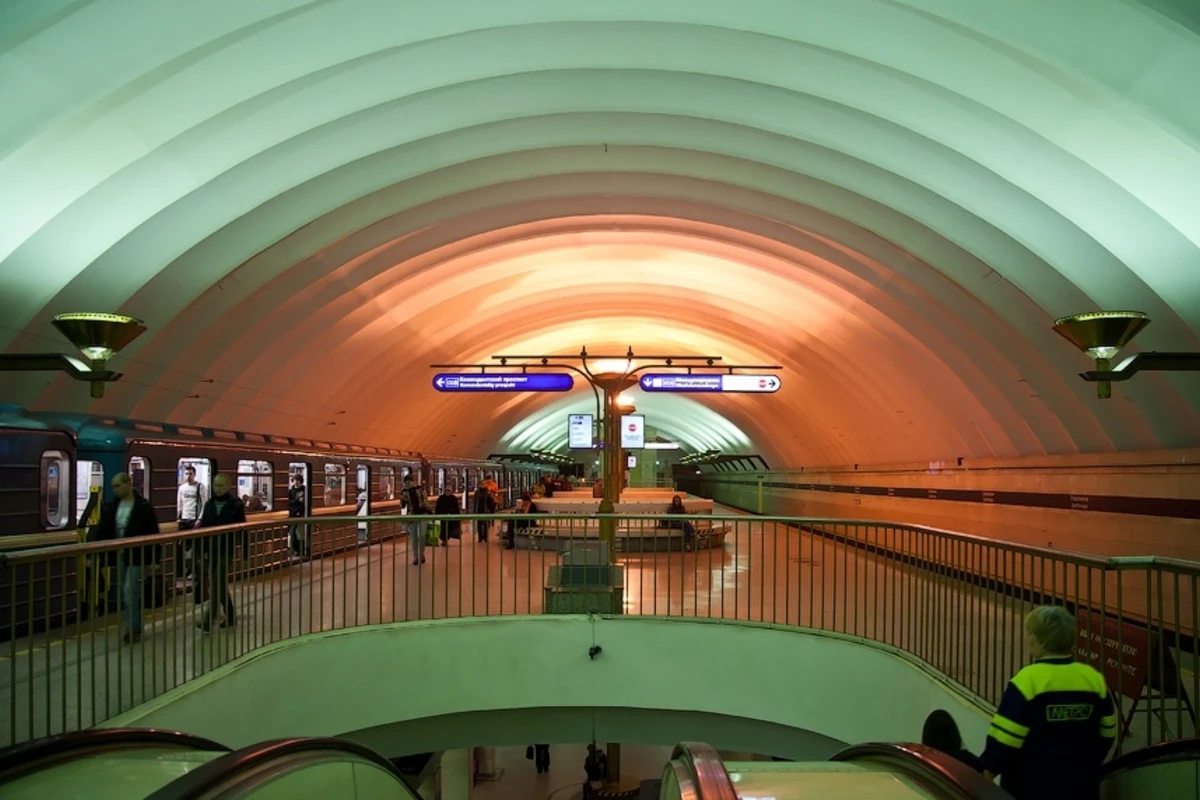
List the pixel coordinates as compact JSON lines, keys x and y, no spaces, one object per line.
{"x":1054,"y":726}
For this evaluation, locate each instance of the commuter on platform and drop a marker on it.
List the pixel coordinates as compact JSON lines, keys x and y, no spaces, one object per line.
{"x":1056,"y":720}
{"x":297,"y":502}
{"x":941,"y":733}
{"x":223,"y":508}
{"x":524,"y":506}
{"x":540,"y":755}
{"x":189,"y":500}
{"x":677,"y":509}
{"x":418,"y":506}
{"x":447,"y":505}
{"x":595,"y":766}
{"x":483,"y":503}
{"x":127,"y":515}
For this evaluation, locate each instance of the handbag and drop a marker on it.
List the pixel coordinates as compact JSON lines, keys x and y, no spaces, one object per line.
{"x":529,"y":752}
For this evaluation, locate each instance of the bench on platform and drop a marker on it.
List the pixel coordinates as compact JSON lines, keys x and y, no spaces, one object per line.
{"x":628,"y":539}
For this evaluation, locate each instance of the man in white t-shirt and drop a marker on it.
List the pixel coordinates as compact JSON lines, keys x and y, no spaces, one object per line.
{"x":190,"y":500}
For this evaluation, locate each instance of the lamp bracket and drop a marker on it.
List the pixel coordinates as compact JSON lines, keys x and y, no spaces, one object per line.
{"x":1146,"y":362}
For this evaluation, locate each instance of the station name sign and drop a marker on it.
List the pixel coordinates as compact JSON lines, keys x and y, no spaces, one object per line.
{"x":710,"y":383}
{"x":503,"y":382}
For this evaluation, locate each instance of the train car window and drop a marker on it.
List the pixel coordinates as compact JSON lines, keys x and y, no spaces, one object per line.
{"x":279,"y":440}
{"x":151,"y":427}
{"x":335,"y":484}
{"x":189,"y":431}
{"x":387,"y":483}
{"x":303,"y":443}
{"x":341,"y":447}
{"x":254,"y":485}
{"x":441,"y":483}
{"x":139,"y":475}
{"x":229,"y":435}
{"x":254,"y":437}
{"x":56,"y":489}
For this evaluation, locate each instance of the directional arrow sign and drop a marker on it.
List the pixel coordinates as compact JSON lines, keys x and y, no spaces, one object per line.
{"x":503,"y":382}
{"x":710,"y":383}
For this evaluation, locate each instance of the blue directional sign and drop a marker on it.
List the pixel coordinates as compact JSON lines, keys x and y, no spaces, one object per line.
{"x":503,"y":382}
{"x":710,"y":383}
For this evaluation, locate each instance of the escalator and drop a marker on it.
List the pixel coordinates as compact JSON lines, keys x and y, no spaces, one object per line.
{"x":168,"y":765}
{"x":288,"y":768}
{"x":884,"y":771}
{"x":1170,"y":769}
{"x":102,"y":763}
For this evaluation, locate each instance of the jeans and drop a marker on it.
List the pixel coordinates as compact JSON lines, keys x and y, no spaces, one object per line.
{"x":481,"y":530}
{"x":416,"y":539}
{"x":131,"y":597}
{"x":218,"y":591}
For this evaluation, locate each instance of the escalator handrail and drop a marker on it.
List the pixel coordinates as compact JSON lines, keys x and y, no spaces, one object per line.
{"x":27,"y":757}
{"x":215,"y":773}
{"x":708,"y":772}
{"x":1161,"y":753}
{"x":939,"y":771}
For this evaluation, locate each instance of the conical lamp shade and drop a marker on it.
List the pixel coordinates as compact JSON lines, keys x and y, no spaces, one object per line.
{"x":1101,"y":334}
{"x":98,"y":336}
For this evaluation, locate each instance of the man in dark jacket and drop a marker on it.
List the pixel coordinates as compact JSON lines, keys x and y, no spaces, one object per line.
{"x":297,"y":503}
{"x":128,"y":515}
{"x":483,"y":503}
{"x":223,"y":508}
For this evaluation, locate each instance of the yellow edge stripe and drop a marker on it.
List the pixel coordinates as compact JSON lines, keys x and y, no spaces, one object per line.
{"x":1003,"y":737}
{"x":1007,"y":725}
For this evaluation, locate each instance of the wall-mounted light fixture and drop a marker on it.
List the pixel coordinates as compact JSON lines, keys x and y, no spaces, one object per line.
{"x":98,"y":336}
{"x":1102,"y":334}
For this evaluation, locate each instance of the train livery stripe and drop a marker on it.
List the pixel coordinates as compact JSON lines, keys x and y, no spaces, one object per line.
{"x":1173,"y":507}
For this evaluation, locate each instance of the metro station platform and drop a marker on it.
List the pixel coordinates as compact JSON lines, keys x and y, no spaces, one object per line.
{"x":844,"y":578}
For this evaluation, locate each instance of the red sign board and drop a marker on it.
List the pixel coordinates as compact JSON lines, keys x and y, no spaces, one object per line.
{"x":1120,"y":651}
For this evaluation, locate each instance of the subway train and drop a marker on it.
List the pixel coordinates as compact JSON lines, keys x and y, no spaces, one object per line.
{"x":56,"y":466}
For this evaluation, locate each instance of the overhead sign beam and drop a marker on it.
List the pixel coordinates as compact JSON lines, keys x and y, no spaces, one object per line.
{"x":735,"y":384}
{"x":503,"y":382}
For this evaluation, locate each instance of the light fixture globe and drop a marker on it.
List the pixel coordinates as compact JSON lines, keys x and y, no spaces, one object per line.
{"x":1101,"y":334}
{"x":98,"y":336}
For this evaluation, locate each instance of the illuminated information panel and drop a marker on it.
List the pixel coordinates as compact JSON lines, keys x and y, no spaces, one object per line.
{"x":633,"y":431}
{"x":503,"y":382}
{"x":710,"y":383}
{"x":579,"y":431}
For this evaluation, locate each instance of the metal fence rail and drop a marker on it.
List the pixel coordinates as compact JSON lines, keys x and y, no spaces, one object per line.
{"x":953,"y":600}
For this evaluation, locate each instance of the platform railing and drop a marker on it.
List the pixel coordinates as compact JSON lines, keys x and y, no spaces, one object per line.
{"x":952,"y":600}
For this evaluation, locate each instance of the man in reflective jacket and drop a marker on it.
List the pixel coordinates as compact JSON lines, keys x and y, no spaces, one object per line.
{"x":1056,"y":721}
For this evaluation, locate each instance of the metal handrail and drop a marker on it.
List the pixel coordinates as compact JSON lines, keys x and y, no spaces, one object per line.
{"x":212,"y":775}
{"x":1070,"y":556}
{"x":22,"y":759}
{"x":953,"y":601}
{"x":708,"y":771}
{"x":949,"y":777}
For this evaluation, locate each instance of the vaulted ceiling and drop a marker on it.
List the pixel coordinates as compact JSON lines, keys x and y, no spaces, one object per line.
{"x":310,"y":202}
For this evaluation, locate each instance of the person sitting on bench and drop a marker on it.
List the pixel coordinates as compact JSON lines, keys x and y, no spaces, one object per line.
{"x":524,"y":506}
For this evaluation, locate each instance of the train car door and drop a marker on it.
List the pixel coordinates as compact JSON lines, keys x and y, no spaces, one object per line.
{"x":362,"y":500}
{"x":300,"y":481}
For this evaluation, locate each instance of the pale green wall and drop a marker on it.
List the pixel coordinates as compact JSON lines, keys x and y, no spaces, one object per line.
{"x":327,"y":684}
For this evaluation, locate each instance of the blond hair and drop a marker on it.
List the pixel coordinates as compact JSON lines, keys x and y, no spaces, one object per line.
{"x":1053,"y":628}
